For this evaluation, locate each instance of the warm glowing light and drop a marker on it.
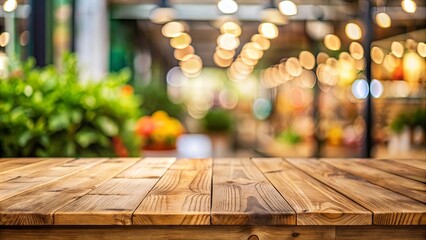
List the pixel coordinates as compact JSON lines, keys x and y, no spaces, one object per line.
{"x":292,"y":66}
{"x":353,"y":31}
{"x":322,"y":57}
{"x":172,"y":29}
{"x":231,"y":28}
{"x":180,"y":54}
{"x":176,"y":78}
{"x":390,"y":62}
{"x":421,"y":49}
{"x":228,"y":41}
{"x":414,"y":67}
{"x":221,"y":62}
{"x":397,"y":49}
{"x":377,"y":55}
{"x":268,"y":30}
{"x":181,"y":41}
{"x":225,"y":54}
{"x":252,"y":51}
{"x":191,"y":65}
{"x":356,"y":50}
{"x":4,"y":39}
{"x":308,"y":79}
{"x":228,"y":99}
{"x":10,"y":5}
{"x":409,"y":6}
{"x":24,"y":37}
{"x":263,"y":42}
{"x":227,"y":6}
{"x":307,"y":60}
{"x":383,"y":20}
{"x":332,"y":42}
{"x":287,"y":8}
{"x":162,"y":15}
{"x":274,"y":16}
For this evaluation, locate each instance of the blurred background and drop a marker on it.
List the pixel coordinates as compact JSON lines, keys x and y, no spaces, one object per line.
{"x":312,"y":78}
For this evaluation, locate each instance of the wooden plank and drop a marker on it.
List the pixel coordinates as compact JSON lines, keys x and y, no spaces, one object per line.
{"x":24,"y":183}
{"x":36,"y":206}
{"x":31,"y":168}
{"x":396,"y":168}
{"x":181,"y":197}
{"x":389,"y":208}
{"x":404,"y":186}
{"x":243,"y":196}
{"x":18,"y":162}
{"x":314,"y":202}
{"x":381,"y":232}
{"x":114,"y":201}
{"x":169,"y":232}
{"x":418,"y":163}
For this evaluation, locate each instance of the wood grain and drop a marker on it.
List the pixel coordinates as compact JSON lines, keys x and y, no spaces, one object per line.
{"x":396,"y":168}
{"x":314,"y":202}
{"x":36,"y":206}
{"x":31,"y":168}
{"x":380,"y":232}
{"x":9,"y":163}
{"x":243,"y":196}
{"x":171,"y":232}
{"x":181,"y":197}
{"x":25,"y":182}
{"x":114,"y":202}
{"x":404,"y":186}
{"x":389,"y":208}
{"x":418,"y":163}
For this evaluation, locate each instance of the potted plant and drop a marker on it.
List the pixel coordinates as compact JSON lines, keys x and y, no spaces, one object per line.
{"x":218,"y":124}
{"x":49,"y":112}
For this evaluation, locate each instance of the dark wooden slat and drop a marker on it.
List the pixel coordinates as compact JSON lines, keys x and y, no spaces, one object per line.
{"x":389,"y":208}
{"x":181,"y":197}
{"x":114,"y":201}
{"x":36,"y":206}
{"x":396,"y":168}
{"x":243,"y":196}
{"x":314,"y":202}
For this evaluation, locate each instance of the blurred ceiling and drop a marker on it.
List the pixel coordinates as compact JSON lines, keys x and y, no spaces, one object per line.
{"x":201,"y":14}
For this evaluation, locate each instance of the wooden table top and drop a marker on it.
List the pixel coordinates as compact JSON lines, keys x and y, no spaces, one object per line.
{"x":240,"y":191}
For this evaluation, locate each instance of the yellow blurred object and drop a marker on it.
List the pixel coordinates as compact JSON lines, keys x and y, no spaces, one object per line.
{"x":335,"y":135}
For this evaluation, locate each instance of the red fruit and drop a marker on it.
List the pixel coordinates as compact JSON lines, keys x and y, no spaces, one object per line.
{"x":145,"y":126}
{"x":119,"y":147}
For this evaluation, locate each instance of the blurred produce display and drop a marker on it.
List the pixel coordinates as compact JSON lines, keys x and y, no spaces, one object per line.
{"x":49,"y":112}
{"x":159,"y":131}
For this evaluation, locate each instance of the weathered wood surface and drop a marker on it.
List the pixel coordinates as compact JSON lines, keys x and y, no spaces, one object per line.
{"x":395,"y":167}
{"x":418,"y":163}
{"x":10,"y":163}
{"x":410,"y":188}
{"x":36,"y":206}
{"x":181,"y":197}
{"x":243,"y":191}
{"x":114,"y":202}
{"x":27,"y":180}
{"x":389,"y":208}
{"x":314,"y":202}
{"x":243,"y":196}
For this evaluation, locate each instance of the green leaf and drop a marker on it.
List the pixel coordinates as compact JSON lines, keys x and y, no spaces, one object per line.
{"x":107,"y":126}
{"x":24,"y":138}
{"x":58,"y":122}
{"x":85,"y":137}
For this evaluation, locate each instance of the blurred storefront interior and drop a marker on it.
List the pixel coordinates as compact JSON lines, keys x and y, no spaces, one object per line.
{"x":301,"y":78}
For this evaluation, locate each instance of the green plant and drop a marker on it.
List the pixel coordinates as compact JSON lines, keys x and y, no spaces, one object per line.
{"x":409,"y":119}
{"x":49,"y":112}
{"x":289,"y":136}
{"x":155,"y":98}
{"x":217,"y":120}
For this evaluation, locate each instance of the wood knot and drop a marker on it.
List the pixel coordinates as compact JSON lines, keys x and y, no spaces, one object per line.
{"x":305,"y":210}
{"x":253,"y":237}
{"x":230,"y":182}
{"x":295,"y":234}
